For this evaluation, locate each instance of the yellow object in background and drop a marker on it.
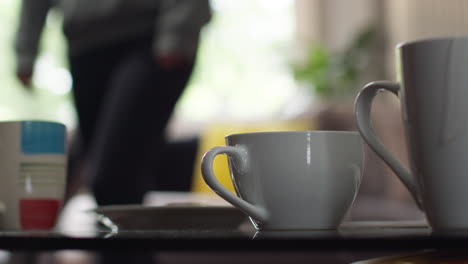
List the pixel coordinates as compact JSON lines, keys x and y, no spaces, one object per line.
{"x":214,"y":135}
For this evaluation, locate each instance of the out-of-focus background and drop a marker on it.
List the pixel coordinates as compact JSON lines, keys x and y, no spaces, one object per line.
{"x":265,"y":65}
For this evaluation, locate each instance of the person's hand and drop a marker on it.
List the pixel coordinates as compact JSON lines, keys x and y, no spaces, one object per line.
{"x":25,"y":76}
{"x":170,"y":62}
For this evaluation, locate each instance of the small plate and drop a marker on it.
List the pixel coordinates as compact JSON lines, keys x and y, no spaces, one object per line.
{"x":174,"y":216}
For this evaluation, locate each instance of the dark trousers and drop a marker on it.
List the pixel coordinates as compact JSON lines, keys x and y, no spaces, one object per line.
{"x":123,"y":100}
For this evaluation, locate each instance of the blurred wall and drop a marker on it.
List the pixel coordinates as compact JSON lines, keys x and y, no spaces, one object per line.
{"x":420,"y":19}
{"x":332,"y":22}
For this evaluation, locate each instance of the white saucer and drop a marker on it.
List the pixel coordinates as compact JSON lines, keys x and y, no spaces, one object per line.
{"x":173,"y":210}
{"x":137,"y":217}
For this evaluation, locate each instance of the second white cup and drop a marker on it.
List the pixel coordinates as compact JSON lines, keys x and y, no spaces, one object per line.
{"x":290,"y":180}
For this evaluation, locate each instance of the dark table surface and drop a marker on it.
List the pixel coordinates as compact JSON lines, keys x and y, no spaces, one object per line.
{"x":78,"y":229}
{"x":351,"y":236}
{"x":353,"y":241}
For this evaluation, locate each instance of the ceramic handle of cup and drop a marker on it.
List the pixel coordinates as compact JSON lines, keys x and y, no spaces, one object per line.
{"x":240,"y":155}
{"x":362,"y":110}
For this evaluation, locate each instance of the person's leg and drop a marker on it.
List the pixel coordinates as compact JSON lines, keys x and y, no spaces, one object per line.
{"x":90,"y":73}
{"x":131,"y":126}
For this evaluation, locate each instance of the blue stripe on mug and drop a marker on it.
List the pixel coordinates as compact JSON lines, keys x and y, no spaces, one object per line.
{"x":42,"y":137}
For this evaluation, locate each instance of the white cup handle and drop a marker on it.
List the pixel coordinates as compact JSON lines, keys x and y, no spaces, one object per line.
{"x":240,"y":155}
{"x":362,"y":110}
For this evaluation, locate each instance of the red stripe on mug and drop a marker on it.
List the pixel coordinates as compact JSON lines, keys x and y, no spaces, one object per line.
{"x":38,"y":213}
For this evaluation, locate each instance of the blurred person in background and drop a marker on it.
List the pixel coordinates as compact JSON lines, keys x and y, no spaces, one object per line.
{"x":130,"y":60}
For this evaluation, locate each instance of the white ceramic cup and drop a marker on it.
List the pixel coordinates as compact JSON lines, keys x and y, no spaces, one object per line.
{"x":290,"y":180}
{"x":32,"y":174}
{"x":433,"y":89}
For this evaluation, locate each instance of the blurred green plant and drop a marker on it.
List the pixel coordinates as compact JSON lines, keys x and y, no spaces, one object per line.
{"x":336,"y":74}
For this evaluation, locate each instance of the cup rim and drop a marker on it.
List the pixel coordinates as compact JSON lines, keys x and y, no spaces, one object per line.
{"x":43,"y":121}
{"x":427,"y":40}
{"x":330,"y":132}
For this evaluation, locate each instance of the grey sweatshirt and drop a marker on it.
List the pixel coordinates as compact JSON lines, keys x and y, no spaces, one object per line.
{"x":175,"y":24}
